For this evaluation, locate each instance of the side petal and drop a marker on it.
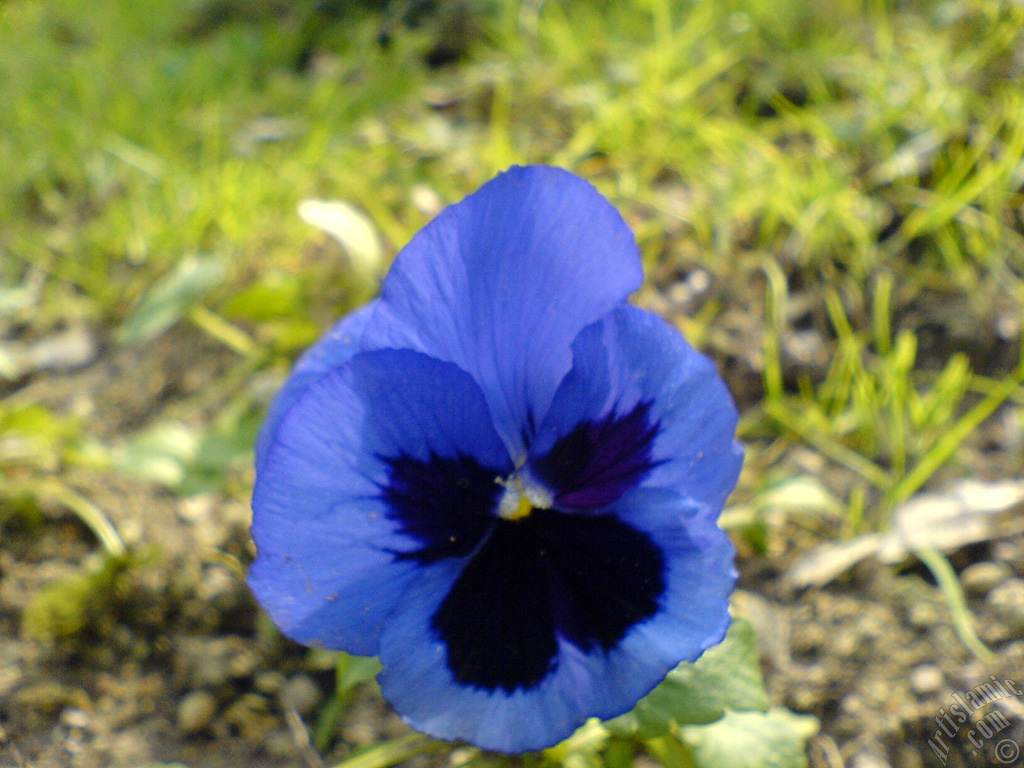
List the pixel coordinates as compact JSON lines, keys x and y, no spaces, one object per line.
{"x":640,"y":408}
{"x":502,"y":282}
{"x":338,"y":529}
{"x":583,"y":681}
{"x":332,"y":351}
{"x":329,"y":594}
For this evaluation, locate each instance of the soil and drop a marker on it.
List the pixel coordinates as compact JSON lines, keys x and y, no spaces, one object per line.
{"x":175,"y":663}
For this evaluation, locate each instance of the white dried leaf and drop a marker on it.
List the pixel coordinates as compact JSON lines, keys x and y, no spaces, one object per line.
{"x":350,"y":227}
{"x":967,"y":512}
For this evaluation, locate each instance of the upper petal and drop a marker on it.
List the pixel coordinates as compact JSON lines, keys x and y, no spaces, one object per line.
{"x":501,"y":283}
{"x":345,"y":500}
{"x":640,"y":408}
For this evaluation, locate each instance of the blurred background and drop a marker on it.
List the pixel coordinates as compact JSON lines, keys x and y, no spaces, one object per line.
{"x":829,"y":199}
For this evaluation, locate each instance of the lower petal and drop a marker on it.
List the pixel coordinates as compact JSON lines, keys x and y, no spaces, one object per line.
{"x":418,"y":683}
{"x":582,"y":680}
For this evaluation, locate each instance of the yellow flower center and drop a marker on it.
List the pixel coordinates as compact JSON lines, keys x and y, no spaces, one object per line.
{"x":520,"y":499}
{"x":523,"y":508}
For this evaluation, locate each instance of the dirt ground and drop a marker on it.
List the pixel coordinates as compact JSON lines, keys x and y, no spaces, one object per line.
{"x":175,"y":664}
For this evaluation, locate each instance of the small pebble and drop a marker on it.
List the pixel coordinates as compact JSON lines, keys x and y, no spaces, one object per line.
{"x":462,"y":755}
{"x":300,"y":693}
{"x":269,"y":682}
{"x":195,"y":509}
{"x":1008,"y":601}
{"x":852,"y":704}
{"x":209,"y":662}
{"x":75,"y":718}
{"x":982,"y":578}
{"x":426,"y":200}
{"x":280,"y":743}
{"x":923,"y":615}
{"x":196,"y":710}
{"x":359,"y":733}
{"x":1008,"y":551}
{"x":994,"y":633}
{"x":868,"y":760}
{"x":926,"y":678}
{"x":250,"y":716}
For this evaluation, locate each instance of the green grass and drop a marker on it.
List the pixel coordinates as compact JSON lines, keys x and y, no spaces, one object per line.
{"x":852,"y":174}
{"x":863,"y":162}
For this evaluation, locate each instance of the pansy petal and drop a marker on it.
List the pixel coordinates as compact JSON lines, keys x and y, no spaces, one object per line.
{"x":501,"y":283}
{"x":700,"y":576}
{"x":640,"y":408}
{"x":583,"y":680}
{"x":693,"y":610}
{"x":418,"y":683}
{"x":332,"y":351}
{"x":329,"y":595}
{"x":338,"y":504}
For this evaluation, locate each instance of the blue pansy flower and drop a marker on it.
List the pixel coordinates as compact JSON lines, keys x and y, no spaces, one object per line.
{"x":502,"y":478}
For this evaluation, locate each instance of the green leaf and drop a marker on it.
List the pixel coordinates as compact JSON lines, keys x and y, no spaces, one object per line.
{"x":353,"y":670}
{"x":219,"y":450}
{"x":272,"y":295}
{"x":161,"y":453}
{"x":31,"y":433}
{"x":670,"y":752}
{"x":67,"y":606}
{"x":387,"y":753}
{"x":727,"y":676}
{"x":169,"y":299}
{"x":188,"y":459}
{"x":349,"y":671}
{"x":773,"y":739}
{"x":581,"y":750}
